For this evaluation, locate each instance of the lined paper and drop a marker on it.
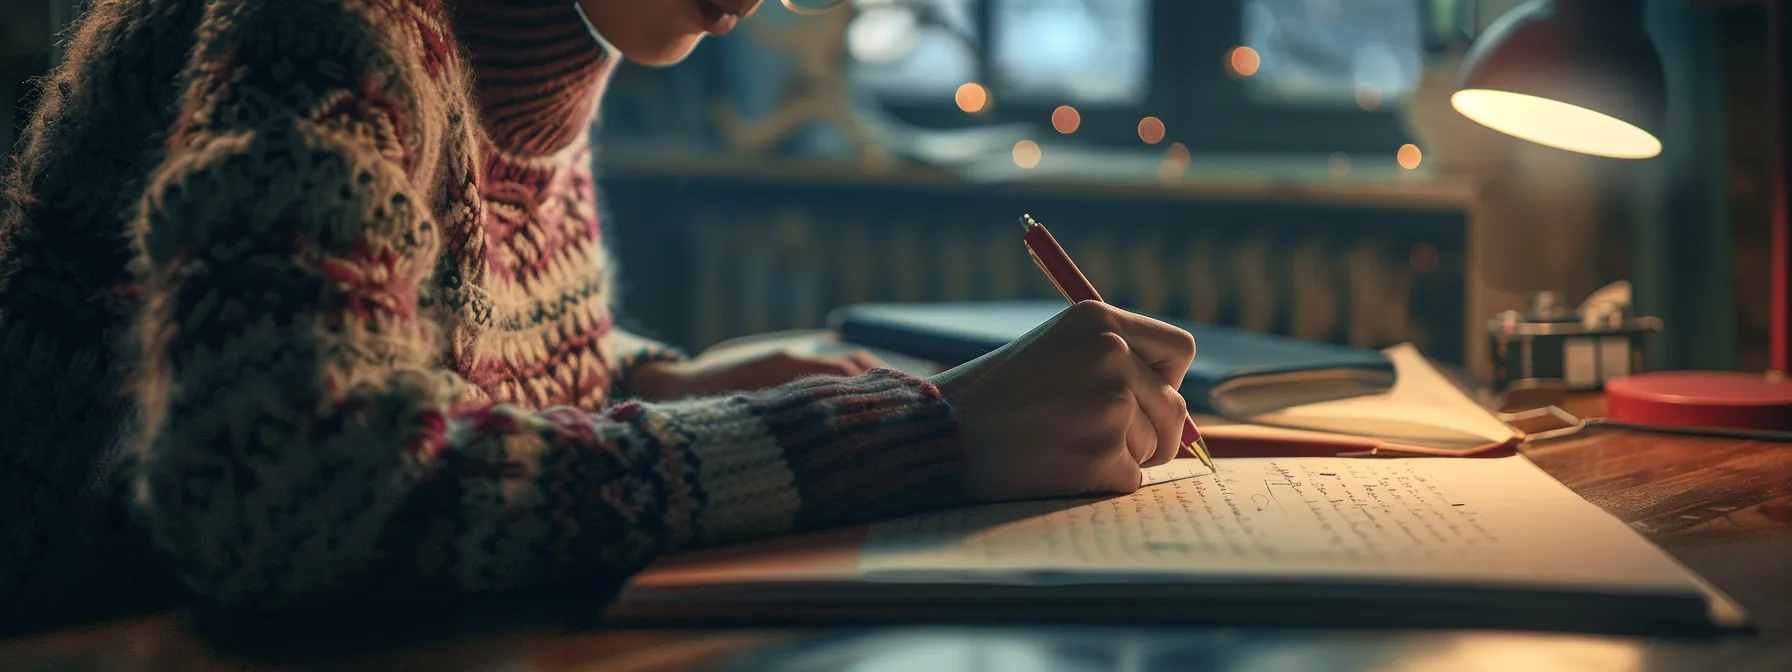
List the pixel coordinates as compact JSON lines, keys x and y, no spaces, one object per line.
{"x":1497,"y":520}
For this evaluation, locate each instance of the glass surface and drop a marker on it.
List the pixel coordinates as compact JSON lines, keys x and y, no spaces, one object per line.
{"x":1071,"y":51}
{"x":915,"y":50}
{"x":1326,"y":51}
{"x":1040,"y":51}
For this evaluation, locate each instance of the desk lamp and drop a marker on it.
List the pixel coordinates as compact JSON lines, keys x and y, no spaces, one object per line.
{"x":1582,"y":75}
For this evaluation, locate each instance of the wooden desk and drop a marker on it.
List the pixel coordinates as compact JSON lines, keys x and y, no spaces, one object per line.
{"x":1723,"y":507}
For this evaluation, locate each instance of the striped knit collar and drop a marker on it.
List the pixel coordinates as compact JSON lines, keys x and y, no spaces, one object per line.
{"x":539,"y":68}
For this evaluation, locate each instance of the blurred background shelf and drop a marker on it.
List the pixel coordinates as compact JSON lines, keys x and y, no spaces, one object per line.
{"x":1074,"y":170}
{"x":1285,"y":211}
{"x":1373,"y":259}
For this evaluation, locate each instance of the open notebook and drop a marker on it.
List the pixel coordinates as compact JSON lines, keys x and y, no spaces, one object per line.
{"x":1424,"y":413}
{"x":1283,"y":541}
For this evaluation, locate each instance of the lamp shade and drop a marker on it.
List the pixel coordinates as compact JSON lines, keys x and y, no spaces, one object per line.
{"x":1579,"y":75}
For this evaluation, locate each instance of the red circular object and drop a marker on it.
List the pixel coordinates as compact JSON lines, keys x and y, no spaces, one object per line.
{"x":1701,"y":399}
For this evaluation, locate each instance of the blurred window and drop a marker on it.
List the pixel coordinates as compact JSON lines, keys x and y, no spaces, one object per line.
{"x":1071,"y":51}
{"x":1118,"y":61}
{"x":914,"y":50}
{"x":1327,"y":51}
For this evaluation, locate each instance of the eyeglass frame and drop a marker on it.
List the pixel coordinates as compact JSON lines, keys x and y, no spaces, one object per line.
{"x":830,"y":6}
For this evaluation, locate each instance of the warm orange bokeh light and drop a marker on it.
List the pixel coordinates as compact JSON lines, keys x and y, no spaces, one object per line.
{"x":1026,"y":154}
{"x":1175,"y":161}
{"x":1066,"y":119}
{"x":1169,"y":171}
{"x":1151,"y":130}
{"x":1177,"y":152}
{"x":1244,"y":61}
{"x":1368,"y":97}
{"x":972,"y":97}
{"x":1409,"y":156}
{"x":1339,"y":164}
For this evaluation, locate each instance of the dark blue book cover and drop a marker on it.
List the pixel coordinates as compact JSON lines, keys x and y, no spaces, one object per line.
{"x":1235,"y":373}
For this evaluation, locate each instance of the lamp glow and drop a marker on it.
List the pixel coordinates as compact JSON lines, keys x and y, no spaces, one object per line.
{"x":1583,"y":75}
{"x":1556,"y":124}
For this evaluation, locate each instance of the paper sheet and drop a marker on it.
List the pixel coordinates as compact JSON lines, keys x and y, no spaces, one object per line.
{"x":1423,"y":408}
{"x":1484,"y":520}
{"x":1175,"y":470}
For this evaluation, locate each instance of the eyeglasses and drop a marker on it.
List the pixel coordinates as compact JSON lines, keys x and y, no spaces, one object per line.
{"x":812,"y":6}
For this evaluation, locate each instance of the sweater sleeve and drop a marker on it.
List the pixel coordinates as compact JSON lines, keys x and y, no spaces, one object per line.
{"x":299,"y":441}
{"x":630,"y":352}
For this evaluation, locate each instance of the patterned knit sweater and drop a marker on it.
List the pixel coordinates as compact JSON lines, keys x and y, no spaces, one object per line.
{"x":312,"y":294}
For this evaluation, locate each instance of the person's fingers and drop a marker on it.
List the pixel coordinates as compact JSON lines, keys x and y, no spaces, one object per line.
{"x":843,"y":365}
{"x":1166,"y":352}
{"x":1115,"y":378}
{"x":840,"y":365}
{"x":1165,"y":348}
{"x":867,"y":361}
{"x":1092,"y":458}
{"x":1110,"y":366}
{"x":1140,"y":437}
{"x":1118,"y":474}
{"x":1163,"y":408}
{"x":791,"y":365}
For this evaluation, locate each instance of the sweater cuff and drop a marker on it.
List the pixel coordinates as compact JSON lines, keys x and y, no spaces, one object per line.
{"x":631,"y":352}
{"x":830,"y":451}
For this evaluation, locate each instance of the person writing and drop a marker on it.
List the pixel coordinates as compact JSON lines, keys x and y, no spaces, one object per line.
{"x":310,"y":298}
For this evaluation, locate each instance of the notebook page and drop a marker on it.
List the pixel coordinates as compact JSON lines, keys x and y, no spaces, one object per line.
{"x":1423,"y":407}
{"x":1494,"y":521}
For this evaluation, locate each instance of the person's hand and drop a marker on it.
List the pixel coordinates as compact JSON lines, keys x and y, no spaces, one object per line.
{"x":1077,"y":406}
{"x":719,"y":374}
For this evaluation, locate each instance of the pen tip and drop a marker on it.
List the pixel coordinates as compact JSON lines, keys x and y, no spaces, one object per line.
{"x":1206,"y":457}
{"x":1026,"y":222}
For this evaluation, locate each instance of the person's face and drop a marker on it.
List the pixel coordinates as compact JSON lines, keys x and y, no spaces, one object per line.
{"x":663,"y":32}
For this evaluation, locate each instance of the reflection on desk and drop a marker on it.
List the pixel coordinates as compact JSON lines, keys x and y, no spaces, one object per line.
{"x":969,"y":650}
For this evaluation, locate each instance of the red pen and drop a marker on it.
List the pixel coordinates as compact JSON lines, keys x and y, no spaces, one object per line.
{"x":1076,"y":288}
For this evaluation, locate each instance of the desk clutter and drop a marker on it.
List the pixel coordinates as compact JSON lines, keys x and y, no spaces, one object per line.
{"x":1307,"y":522}
{"x":1582,"y":347}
